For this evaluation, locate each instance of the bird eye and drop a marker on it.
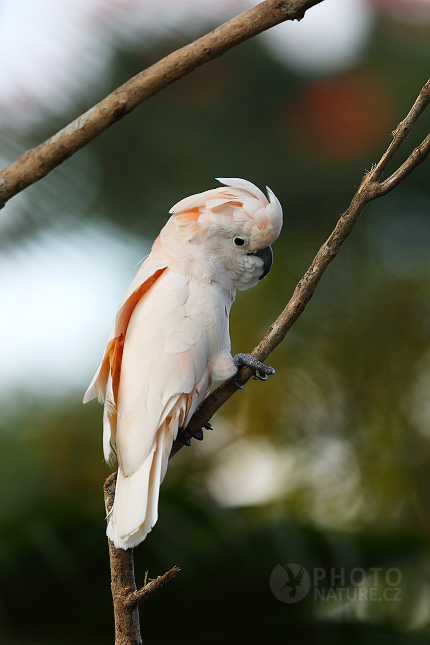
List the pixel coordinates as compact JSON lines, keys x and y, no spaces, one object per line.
{"x":239,"y":241}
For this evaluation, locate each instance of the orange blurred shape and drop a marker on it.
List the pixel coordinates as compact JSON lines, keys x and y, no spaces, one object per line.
{"x":343,"y":118}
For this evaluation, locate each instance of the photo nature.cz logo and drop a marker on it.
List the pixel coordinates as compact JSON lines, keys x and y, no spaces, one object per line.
{"x":290,"y":583}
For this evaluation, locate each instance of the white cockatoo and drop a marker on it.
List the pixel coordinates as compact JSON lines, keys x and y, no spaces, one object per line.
{"x":170,"y":338}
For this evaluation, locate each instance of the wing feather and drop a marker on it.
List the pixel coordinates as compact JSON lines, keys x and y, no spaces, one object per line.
{"x":104,"y":384}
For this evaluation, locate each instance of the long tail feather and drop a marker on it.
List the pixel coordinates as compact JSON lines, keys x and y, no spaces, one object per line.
{"x":135,"y":510}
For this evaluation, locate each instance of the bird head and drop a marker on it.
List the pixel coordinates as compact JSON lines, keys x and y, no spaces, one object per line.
{"x":227,"y":232}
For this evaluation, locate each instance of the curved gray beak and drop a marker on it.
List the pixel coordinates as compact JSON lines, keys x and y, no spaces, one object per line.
{"x":266,"y":255}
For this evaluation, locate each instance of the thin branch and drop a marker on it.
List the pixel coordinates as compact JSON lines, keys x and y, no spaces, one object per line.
{"x":126,"y":597}
{"x":138,"y":597}
{"x":417,"y":156}
{"x":369,"y":189}
{"x":38,"y":162}
{"x":402,"y":131}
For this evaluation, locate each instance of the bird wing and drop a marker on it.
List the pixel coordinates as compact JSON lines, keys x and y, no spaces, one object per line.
{"x":148,"y":273}
{"x":104,"y":384}
{"x":173,"y":333}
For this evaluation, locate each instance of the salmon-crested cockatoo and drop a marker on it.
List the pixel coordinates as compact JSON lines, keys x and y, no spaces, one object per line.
{"x":170,"y":338}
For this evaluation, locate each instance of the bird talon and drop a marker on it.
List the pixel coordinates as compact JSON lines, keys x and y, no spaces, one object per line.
{"x":180,"y":437}
{"x":257,"y":376}
{"x":236,"y":382}
{"x":198,"y":434}
{"x":208,"y":426}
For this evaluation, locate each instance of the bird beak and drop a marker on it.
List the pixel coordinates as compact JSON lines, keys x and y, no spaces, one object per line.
{"x":266,"y":255}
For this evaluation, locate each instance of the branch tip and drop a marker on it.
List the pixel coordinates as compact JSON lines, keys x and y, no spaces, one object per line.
{"x":136,"y":598}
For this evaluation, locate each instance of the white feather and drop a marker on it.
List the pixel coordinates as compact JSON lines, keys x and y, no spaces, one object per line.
{"x":243,"y":184}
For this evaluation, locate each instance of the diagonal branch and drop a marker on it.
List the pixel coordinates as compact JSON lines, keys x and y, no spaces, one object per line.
{"x":369,"y":189}
{"x":38,"y":162}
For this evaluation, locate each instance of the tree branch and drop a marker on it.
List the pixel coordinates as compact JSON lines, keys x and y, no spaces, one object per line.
{"x":369,"y":189}
{"x":126,"y":597}
{"x":38,"y":162}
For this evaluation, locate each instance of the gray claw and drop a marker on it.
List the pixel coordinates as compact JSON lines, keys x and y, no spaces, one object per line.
{"x":236,"y":382}
{"x":196,"y":435}
{"x":257,"y":377}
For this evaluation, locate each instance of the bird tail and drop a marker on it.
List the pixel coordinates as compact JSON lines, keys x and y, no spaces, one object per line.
{"x":135,"y":510}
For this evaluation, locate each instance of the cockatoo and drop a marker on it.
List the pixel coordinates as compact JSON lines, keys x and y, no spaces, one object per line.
{"x":170,"y":338}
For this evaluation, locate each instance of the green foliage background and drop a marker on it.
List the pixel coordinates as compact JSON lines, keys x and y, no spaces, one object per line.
{"x":352,"y":380}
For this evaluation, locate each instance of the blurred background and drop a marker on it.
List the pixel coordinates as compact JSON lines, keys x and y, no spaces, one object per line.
{"x":327,"y":464}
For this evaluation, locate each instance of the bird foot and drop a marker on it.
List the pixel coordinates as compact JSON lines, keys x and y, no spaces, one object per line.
{"x":261,"y":371}
{"x":198,"y":434}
